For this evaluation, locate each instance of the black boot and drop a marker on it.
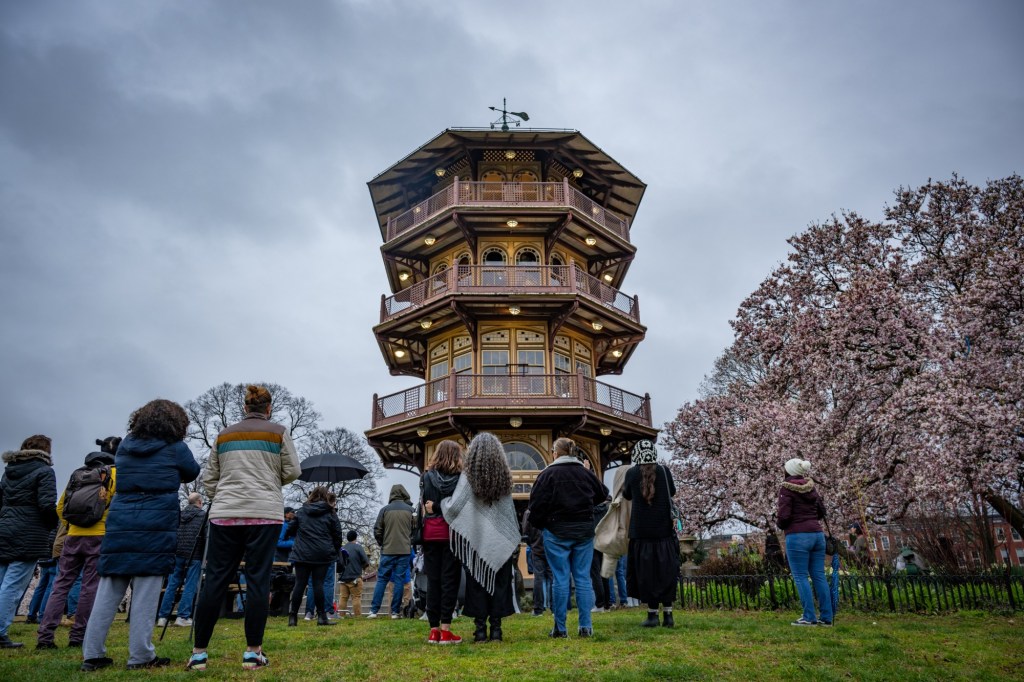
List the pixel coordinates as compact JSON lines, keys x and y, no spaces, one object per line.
{"x":480,"y":634}
{"x":667,"y":620}
{"x":652,"y":620}
{"x":495,"y":629}
{"x":321,"y":619}
{"x":293,"y":619}
{"x":6,"y":643}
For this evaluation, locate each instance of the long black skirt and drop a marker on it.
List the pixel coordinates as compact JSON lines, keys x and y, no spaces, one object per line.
{"x":480,"y":604}
{"x":652,"y":571}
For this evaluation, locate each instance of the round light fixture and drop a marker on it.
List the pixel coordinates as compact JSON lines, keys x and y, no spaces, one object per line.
{"x":606,"y":431}
{"x":422,"y":431}
{"x":597,"y":325}
{"x":429,"y":240}
{"x":512,"y":222}
{"x":510,"y":154}
{"x":514,"y":310}
{"x":577,"y":173}
{"x":617,"y":353}
{"x":399,"y":353}
{"x":439,"y":172}
{"x":607,"y":276}
{"x":516,"y":422}
{"x":590,"y":240}
{"x":426,"y":323}
{"x":404,"y":275}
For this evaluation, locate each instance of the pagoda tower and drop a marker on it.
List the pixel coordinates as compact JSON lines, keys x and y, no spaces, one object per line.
{"x":505,"y":252}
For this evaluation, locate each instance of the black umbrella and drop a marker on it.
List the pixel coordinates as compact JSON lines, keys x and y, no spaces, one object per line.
{"x":331,"y":467}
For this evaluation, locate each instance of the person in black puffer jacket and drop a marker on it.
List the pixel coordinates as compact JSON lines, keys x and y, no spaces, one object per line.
{"x":439,"y":562}
{"x":28,"y":513}
{"x":318,"y":538}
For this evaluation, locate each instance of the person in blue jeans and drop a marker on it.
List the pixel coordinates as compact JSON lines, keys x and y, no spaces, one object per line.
{"x":47,"y":575}
{"x":799,"y":510}
{"x":28,"y":515}
{"x":562,"y":505}
{"x":188,"y":559}
{"x":617,"y":584}
{"x":392,"y":531}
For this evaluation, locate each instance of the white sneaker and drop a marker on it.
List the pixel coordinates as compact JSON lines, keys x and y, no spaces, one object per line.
{"x":183,"y":622}
{"x":424,"y":616}
{"x":395,"y":616}
{"x":597,"y":609}
{"x":309,"y":616}
{"x":160,"y":622}
{"x":371,"y":615}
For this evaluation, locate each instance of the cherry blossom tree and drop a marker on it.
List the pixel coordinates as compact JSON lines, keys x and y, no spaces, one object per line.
{"x":890,"y":354}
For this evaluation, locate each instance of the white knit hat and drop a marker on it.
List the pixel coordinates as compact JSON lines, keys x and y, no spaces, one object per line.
{"x":644,"y":452}
{"x":798,"y":467}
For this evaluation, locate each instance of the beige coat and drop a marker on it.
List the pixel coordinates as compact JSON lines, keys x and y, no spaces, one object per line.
{"x":249,"y":463}
{"x":612,"y":532}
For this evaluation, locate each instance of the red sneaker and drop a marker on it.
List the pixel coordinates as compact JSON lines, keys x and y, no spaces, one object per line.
{"x":435,"y":636}
{"x":449,"y":637}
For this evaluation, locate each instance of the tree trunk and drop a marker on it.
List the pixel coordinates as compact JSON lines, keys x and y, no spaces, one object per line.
{"x":1006,"y":509}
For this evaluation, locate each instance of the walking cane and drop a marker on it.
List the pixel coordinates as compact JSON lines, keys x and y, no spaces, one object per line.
{"x":202,"y":570}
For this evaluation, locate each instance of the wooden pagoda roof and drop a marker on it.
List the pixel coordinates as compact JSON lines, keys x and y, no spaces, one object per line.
{"x":397,"y":188}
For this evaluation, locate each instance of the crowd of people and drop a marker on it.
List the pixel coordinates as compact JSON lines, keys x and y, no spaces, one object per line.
{"x":118,"y":524}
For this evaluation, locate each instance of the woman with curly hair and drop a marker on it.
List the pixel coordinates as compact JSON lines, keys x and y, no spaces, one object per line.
{"x":439,"y":563}
{"x":485,"y":533}
{"x":142,"y":531}
{"x":318,"y":538}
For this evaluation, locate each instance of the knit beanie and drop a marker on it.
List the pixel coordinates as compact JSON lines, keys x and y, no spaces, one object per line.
{"x":644,"y":452}
{"x":798,"y":467}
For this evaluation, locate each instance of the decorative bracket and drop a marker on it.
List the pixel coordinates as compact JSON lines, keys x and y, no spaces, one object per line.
{"x":467,"y":320}
{"x":595,"y":266}
{"x":467,"y":233}
{"x":549,"y":243}
{"x":558,"y":321}
{"x":466,"y":434}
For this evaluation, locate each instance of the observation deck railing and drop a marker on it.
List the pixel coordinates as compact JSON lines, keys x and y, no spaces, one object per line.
{"x":511,"y":391}
{"x":509,"y":279}
{"x":507,"y":195}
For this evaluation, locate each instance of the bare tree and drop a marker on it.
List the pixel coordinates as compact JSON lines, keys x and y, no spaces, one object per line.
{"x":224,"y":404}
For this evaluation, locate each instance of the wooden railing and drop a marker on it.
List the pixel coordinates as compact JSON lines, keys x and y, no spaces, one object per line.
{"x":509,"y":279}
{"x":505,"y":195}
{"x":511,"y":391}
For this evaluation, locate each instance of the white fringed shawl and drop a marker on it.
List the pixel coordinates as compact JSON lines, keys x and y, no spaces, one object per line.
{"x":482,"y":536}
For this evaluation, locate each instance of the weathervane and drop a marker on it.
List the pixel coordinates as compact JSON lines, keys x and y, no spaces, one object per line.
{"x":505,"y":113}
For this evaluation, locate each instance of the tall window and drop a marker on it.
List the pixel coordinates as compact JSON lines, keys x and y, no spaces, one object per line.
{"x":494,"y":267}
{"x":885,"y":542}
{"x":494,"y":364}
{"x":531,"y":362}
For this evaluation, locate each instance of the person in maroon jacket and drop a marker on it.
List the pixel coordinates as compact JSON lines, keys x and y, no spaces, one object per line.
{"x":799,"y":509}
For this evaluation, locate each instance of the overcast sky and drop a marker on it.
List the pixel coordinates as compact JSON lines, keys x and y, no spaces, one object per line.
{"x":183,"y":194}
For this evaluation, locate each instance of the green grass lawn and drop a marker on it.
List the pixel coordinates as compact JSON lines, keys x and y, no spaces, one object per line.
{"x":703,"y":646}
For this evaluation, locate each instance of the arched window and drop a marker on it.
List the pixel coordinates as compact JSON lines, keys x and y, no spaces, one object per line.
{"x":465,"y":270}
{"x":560,"y":272}
{"x":493,"y":271}
{"x":527,"y":256}
{"x":523,"y":457}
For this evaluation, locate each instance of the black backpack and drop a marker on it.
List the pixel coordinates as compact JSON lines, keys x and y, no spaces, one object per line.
{"x":87,"y":496}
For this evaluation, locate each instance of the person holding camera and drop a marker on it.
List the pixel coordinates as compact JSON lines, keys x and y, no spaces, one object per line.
{"x":799,"y":510}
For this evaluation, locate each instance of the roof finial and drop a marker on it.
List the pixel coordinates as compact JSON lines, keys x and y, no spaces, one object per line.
{"x":505,"y":114}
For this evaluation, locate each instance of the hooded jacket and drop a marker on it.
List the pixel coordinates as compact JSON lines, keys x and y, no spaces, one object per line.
{"x":799,"y":506}
{"x":393,"y":527}
{"x":28,"y":500}
{"x":142,"y":522}
{"x":317,"y":534}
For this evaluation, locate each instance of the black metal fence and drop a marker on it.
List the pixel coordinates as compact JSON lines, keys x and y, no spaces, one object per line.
{"x":898,"y":593}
